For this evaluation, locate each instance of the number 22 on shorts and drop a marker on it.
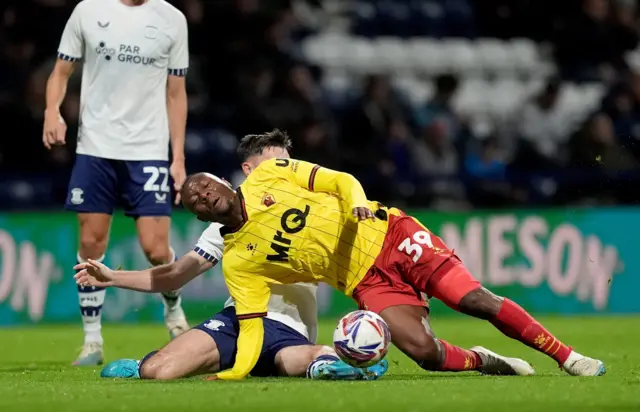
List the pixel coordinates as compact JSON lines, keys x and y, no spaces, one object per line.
{"x":421,"y":238}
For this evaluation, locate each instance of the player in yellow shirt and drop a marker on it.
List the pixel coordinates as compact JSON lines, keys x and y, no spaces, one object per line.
{"x":293,"y":221}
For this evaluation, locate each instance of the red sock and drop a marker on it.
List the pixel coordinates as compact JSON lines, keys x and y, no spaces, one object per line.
{"x":457,"y":359}
{"x":516,"y":323}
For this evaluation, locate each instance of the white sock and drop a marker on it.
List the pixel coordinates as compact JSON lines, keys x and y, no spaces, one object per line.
{"x":91,"y":300}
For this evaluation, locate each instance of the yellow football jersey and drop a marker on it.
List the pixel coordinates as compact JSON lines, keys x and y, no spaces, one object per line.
{"x":298,"y":227}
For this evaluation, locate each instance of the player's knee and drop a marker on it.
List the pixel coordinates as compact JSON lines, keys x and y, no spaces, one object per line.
{"x":154,"y":369}
{"x":322,"y":350}
{"x":158,"y":254}
{"x":93,"y":243}
{"x":481,"y":303}
{"x":156,"y":248}
{"x":423,"y":349}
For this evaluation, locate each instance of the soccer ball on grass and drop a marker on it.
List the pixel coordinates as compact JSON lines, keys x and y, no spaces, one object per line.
{"x":361,"y":338}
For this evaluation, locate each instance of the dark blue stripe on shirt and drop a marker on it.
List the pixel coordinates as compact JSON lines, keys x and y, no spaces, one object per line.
{"x":178,"y":72}
{"x":66,"y":57}
{"x":205,"y":255}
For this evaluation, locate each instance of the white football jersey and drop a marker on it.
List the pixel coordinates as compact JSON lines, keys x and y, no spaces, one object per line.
{"x":294,"y":305}
{"x":128,"y":52}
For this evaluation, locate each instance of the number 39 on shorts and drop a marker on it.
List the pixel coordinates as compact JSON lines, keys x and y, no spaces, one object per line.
{"x":413,"y":246}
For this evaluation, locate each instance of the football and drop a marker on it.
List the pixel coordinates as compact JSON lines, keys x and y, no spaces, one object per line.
{"x":361,"y":338}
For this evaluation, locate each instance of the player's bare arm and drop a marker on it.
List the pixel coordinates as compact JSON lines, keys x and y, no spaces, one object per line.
{"x":55,"y":128}
{"x":162,"y":278}
{"x":177,"y":115}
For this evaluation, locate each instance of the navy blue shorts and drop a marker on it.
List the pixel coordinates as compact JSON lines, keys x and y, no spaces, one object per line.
{"x":223,"y":327}
{"x":99,"y":185}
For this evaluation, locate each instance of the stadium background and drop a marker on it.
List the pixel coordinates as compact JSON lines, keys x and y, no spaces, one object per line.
{"x":449,"y":108}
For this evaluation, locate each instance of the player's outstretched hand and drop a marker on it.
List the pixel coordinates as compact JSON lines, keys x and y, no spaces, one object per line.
{"x":54,"y":130}
{"x":363,"y":213}
{"x":179,"y":175}
{"x":93,"y":273}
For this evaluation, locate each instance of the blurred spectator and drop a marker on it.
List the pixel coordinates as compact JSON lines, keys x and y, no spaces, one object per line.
{"x":299,"y":101}
{"x":596,"y":146}
{"x":436,"y":162}
{"x":488,"y":163}
{"x":398,"y":150}
{"x":314,"y":144}
{"x":440,"y":107}
{"x":598,"y":159}
{"x":255,"y":88}
{"x":366,"y":125}
{"x":623,"y":106}
{"x":542,"y":130}
{"x":488,"y":183}
{"x":592,"y":46}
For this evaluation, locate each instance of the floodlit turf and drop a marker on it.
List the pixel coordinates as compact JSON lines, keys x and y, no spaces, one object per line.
{"x":35,"y":374}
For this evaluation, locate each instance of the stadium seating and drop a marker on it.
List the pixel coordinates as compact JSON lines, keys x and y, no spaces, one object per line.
{"x":482,"y":57}
{"x":497,"y":76}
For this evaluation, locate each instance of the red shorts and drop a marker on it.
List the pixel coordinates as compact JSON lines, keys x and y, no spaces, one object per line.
{"x":413,"y":261}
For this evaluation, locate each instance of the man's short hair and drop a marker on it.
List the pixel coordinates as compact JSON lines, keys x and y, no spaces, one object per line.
{"x":254,"y":144}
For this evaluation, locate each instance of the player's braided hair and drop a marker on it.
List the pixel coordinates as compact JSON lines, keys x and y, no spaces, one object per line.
{"x":254,"y":144}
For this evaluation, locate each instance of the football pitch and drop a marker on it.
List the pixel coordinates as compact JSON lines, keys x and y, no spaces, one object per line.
{"x":35,"y":375}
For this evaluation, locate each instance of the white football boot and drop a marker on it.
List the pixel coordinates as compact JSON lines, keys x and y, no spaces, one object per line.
{"x":580,"y":365}
{"x":174,"y":318}
{"x":91,"y":355}
{"x":494,"y":364}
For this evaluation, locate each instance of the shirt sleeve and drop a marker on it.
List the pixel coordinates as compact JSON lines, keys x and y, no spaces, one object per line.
{"x":210,"y":245}
{"x":179,"y":54}
{"x":72,"y":42}
{"x":315,"y":178}
{"x":251,"y":294}
{"x":304,"y":296}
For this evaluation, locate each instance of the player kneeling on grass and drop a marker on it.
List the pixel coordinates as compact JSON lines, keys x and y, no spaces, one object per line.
{"x":290,"y":326}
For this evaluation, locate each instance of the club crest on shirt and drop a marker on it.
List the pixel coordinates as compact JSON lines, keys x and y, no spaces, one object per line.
{"x":268,"y":200}
{"x":150,"y":32}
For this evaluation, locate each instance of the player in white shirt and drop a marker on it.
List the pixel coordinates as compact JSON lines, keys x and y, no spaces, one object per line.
{"x":133,"y":105}
{"x":290,"y":326}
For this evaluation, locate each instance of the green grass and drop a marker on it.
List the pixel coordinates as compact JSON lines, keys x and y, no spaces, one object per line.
{"x":35,"y":374}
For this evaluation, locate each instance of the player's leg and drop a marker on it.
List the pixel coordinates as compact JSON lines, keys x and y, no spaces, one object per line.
{"x":401,"y":306}
{"x":192,"y":353}
{"x":207,"y":348}
{"x":286,"y":352}
{"x":456,"y":287}
{"x":92,"y":194}
{"x":392,"y":288}
{"x":147,"y":195}
{"x":153,"y":234}
{"x":410,"y":332}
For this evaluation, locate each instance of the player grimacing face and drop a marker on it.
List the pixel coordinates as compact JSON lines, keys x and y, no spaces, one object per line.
{"x":209,"y":198}
{"x":212,"y":199}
